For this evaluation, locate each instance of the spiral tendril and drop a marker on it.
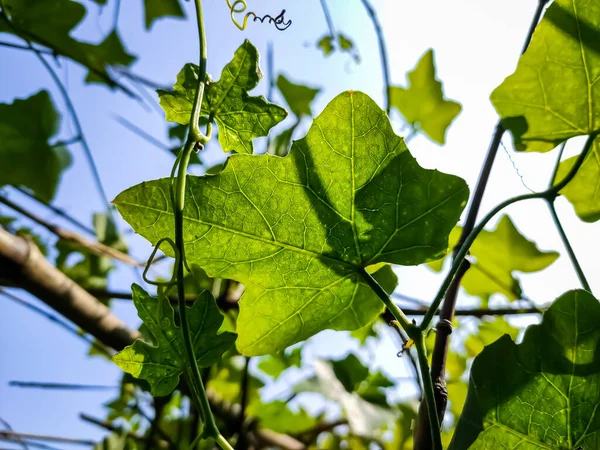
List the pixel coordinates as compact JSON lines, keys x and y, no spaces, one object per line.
{"x":240,"y":6}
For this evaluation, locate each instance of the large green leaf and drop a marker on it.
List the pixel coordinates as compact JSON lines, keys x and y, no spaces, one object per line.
{"x":161,"y":365}
{"x":488,"y":332}
{"x":239,"y":116}
{"x":297,"y":96}
{"x":28,"y":159}
{"x":155,"y":9}
{"x":50,"y":22}
{"x":543,"y":393}
{"x":297,"y":231}
{"x":423,"y":104}
{"x":553,"y":94}
{"x":584,"y":190}
{"x":498,"y":253}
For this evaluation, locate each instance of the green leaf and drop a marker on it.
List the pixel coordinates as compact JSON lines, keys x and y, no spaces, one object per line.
{"x":297,"y":96}
{"x":489,"y":331}
{"x":552,"y":95}
{"x":156,"y":9}
{"x":280,"y":144}
{"x":583,"y":191}
{"x":26,"y":126}
{"x":275,"y":365}
{"x":110,"y":51}
{"x":226,"y":380}
{"x":423,"y":104}
{"x":29,"y":19}
{"x":498,"y":253}
{"x":277,"y":417}
{"x":240,"y":118}
{"x":350,"y":371}
{"x":344,"y":44}
{"x":298,"y":231}
{"x":543,"y":393}
{"x":364,"y":418}
{"x":161,"y":365}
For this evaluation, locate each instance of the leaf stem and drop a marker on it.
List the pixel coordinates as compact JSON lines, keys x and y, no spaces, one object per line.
{"x":382,"y":52}
{"x":547,"y":195}
{"x":194,"y":142}
{"x":561,"y":230}
{"x":410,"y":328}
{"x":436,"y":437}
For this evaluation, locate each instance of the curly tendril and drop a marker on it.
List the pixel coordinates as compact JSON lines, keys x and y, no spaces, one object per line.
{"x":240,"y":6}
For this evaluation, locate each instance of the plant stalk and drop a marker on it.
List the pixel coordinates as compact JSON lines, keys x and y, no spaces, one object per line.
{"x":561,"y":230}
{"x":436,"y":437}
{"x":447,"y":312}
{"x":382,"y":52}
{"x":195,"y":141}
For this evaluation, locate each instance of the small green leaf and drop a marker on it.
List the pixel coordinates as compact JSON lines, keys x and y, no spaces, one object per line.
{"x":156,"y":9}
{"x":498,"y":253}
{"x":489,"y":331}
{"x":110,"y":51}
{"x":297,"y":96}
{"x":543,"y":393}
{"x":277,"y":417}
{"x":552,"y":95}
{"x":226,"y":380}
{"x":344,"y":44}
{"x":239,"y":116}
{"x":298,"y":231}
{"x":583,"y":191}
{"x":161,"y":365}
{"x":274,"y":365}
{"x":350,"y":371}
{"x":26,"y":126}
{"x":423,"y":104}
{"x":280,"y":144}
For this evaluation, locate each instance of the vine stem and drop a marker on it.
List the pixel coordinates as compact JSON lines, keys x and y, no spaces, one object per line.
{"x":195,"y":141}
{"x":447,"y":312}
{"x":548,"y":195}
{"x":561,"y":230}
{"x":382,"y":52}
{"x":436,"y":436}
{"x":78,"y":128}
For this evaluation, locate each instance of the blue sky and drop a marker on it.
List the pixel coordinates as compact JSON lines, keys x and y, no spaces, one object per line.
{"x":476,"y":43}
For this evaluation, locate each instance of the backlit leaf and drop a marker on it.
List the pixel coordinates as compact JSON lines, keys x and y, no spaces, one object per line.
{"x":583,"y":191}
{"x":239,"y":116}
{"x":26,"y":126}
{"x":275,"y":365}
{"x":278,"y":417}
{"x":552,"y":95}
{"x":298,"y":231}
{"x":489,"y":331}
{"x":543,"y":393}
{"x":297,"y":96}
{"x":498,"y":253}
{"x":423,"y":104}
{"x":161,"y":365}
